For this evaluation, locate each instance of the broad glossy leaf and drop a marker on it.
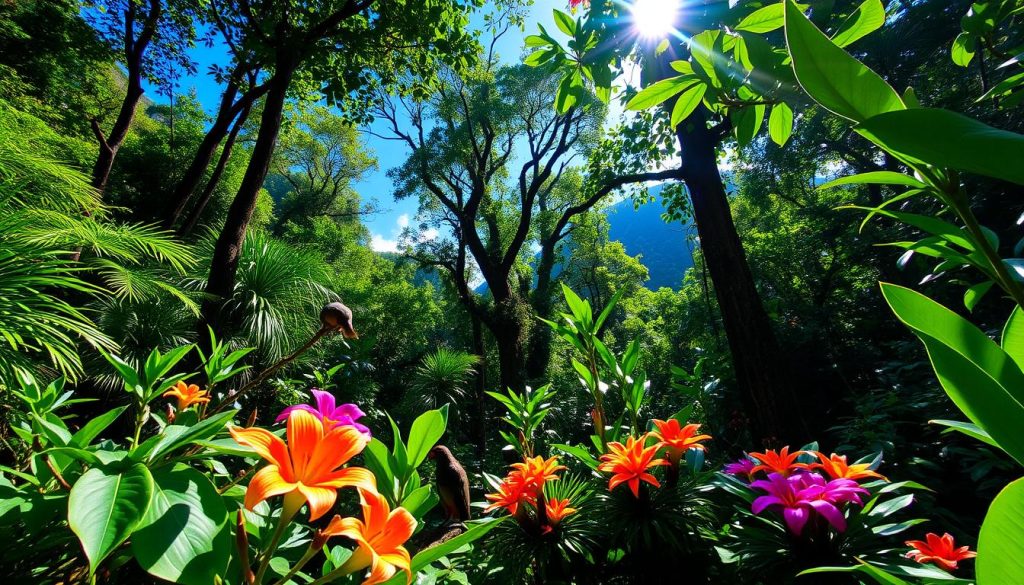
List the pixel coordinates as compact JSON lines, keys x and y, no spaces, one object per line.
{"x":763,"y":20}
{"x":962,"y":51}
{"x":780,"y":123}
{"x":106,"y":505}
{"x":875,"y":178}
{"x":1001,"y":541}
{"x":983,"y":381}
{"x":94,"y":427}
{"x":869,"y":17}
{"x":971,"y":430}
{"x":974,"y":294}
{"x":177,"y":436}
{"x":1012,"y":340}
{"x":564,"y":22}
{"x":658,"y":92}
{"x":426,"y":430}
{"x":947,"y":139}
{"x":688,"y":102}
{"x":579,"y":453}
{"x":831,"y":76}
{"x":185,"y":536}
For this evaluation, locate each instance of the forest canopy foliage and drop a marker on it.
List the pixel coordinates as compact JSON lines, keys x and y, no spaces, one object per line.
{"x":211,"y":372}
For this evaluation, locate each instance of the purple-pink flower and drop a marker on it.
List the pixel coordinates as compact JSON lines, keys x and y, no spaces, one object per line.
{"x":329,"y":412}
{"x":741,"y":467}
{"x":802,"y":494}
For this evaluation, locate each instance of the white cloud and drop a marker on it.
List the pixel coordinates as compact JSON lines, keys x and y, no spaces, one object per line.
{"x":429,"y":234}
{"x":403,"y":221}
{"x":380,"y":244}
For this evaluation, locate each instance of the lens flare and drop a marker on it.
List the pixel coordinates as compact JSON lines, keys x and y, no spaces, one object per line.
{"x":654,"y":19}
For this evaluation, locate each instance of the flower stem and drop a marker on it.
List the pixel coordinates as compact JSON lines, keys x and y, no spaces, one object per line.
{"x":358,"y":561}
{"x":292,"y":502}
{"x":310,"y":553}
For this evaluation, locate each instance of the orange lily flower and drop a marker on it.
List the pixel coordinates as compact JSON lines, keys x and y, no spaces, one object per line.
{"x":558,"y":509}
{"x":535,"y":471}
{"x":678,"y":439}
{"x":941,"y":550}
{"x":379,"y":536}
{"x":511,"y":493}
{"x":187,"y":395}
{"x":306,"y":469}
{"x":782,"y":462}
{"x":629,"y":464}
{"x":837,"y":468}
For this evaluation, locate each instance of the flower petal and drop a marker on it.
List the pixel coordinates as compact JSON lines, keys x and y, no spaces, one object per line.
{"x":266,"y":483}
{"x":269,"y":446}
{"x":284,"y":413}
{"x":831,"y":513}
{"x":304,"y":434}
{"x":795,"y":518}
{"x":320,"y":499}
{"x":357,"y":477}
{"x":332,"y":451}
{"x":324,"y":402}
{"x":763,"y":502}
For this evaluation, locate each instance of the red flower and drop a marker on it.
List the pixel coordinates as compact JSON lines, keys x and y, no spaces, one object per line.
{"x":940,"y":550}
{"x":782,"y":462}
{"x":629,"y":464}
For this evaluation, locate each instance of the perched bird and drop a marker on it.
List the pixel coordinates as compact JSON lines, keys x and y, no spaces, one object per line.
{"x":452,"y":484}
{"x":338,"y":317}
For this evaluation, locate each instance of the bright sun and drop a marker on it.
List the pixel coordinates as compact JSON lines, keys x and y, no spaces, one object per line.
{"x":654,"y":18}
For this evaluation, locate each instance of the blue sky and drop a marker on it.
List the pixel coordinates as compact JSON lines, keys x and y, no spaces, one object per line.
{"x":394,"y":215}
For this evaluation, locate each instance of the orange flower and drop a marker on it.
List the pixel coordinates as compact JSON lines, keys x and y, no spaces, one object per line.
{"x":677,"y":439}
{"x":629,"y":463}
{"x":558,"y":509}
{"x":306,"y":469}
{"x":511,"y":493}
{"x":536,"y":471}
{"x":187,"y":395}
{"x":782,"y":462}
{"x":940,"y":550}
{"x":379,"y":536}
{"x":837,"y":468}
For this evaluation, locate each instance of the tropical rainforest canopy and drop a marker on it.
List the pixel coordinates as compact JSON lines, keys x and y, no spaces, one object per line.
{"x":454,"y":291}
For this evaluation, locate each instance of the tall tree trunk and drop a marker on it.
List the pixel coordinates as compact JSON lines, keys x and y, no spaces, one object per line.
{"x":111,"y":143}
{"x":758,"y":361}
{"x":480,"y":424}
{"x":197,"y":210}
{"x":538,"y":354}
{"x":224,"y":265}
{"x":509,"y":331}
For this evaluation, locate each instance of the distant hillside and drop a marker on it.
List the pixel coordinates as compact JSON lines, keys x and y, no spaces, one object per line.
{"x":662,"y":246}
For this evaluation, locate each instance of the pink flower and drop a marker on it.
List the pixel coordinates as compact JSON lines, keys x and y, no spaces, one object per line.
{"x":802,"y":494}
{"x":328,"y":411}
{"x":741,"y":467}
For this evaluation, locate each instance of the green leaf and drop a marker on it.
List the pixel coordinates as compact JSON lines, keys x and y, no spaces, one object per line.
{"x":565,"y":97}
{"x":564,"y":22}
{"x":1012,"y":341}
{"x":177,"y":436}
{"x":185,"y":536}
{"x":376,"y":458}
{"x":875,"y":178}
{"x":983,"y":381}
{"x":105,"y":506}
{"x":831,"y":76}
{"x":1001,"y":540}
{"x":966,"y":428}
{"x":536,"y":41}
{"x":420,"y":501}
{"x":780,"y":123}
{"x":658,"y":92}
{"x":962,"y":51}
{"x":688,"y":102}
{"x":93,"y":428}
{"x":425,"y":557}
{"x":426,"y":430}
{"x":869,"y":17}
{"x":747,"y":121}
{"x":764,"y":20}
{"x":974,"y":294}
{"x":579,"y":453}
{"x":947,"y":139}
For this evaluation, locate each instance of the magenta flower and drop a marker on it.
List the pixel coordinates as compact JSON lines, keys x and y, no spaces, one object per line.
{"x":802,"y":494}
{"x":329,"y":412}
{"x":742,"y":467}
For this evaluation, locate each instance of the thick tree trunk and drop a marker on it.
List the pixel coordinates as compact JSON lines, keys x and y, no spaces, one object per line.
{"x":111,"y":143}
{"x":480,"y":423}
{"x":538,"y":355}
{"x":197,"y":210}
{"x":758,"y":361}
{"x":226,"y":253}
{"x":509,"y":330}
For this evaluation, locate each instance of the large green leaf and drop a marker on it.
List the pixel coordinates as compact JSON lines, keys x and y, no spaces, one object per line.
{"x":94,"y":427}
{"x":763,"y":20}
{"x":426,"y":430}
{"x":869,"y":17}
{"x":971,"y":430}
{"x":875,"y":178}
{"x":688,"y":102}
{"x":983,"y":381}
{"x":660,"y":91}
{"x":1013,"y":336}
{"x":106,"y":505}
{"x":947,"y":139}
{"x":831,"y":76}
{"x":780,"y":123}
{"x":1001,"y":541}
{"x":185,"y":536}
{"x":177,"y":436}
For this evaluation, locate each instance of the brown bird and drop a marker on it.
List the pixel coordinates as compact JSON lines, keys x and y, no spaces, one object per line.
{"x":338,"y":317}
{"x":452,"y":484}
